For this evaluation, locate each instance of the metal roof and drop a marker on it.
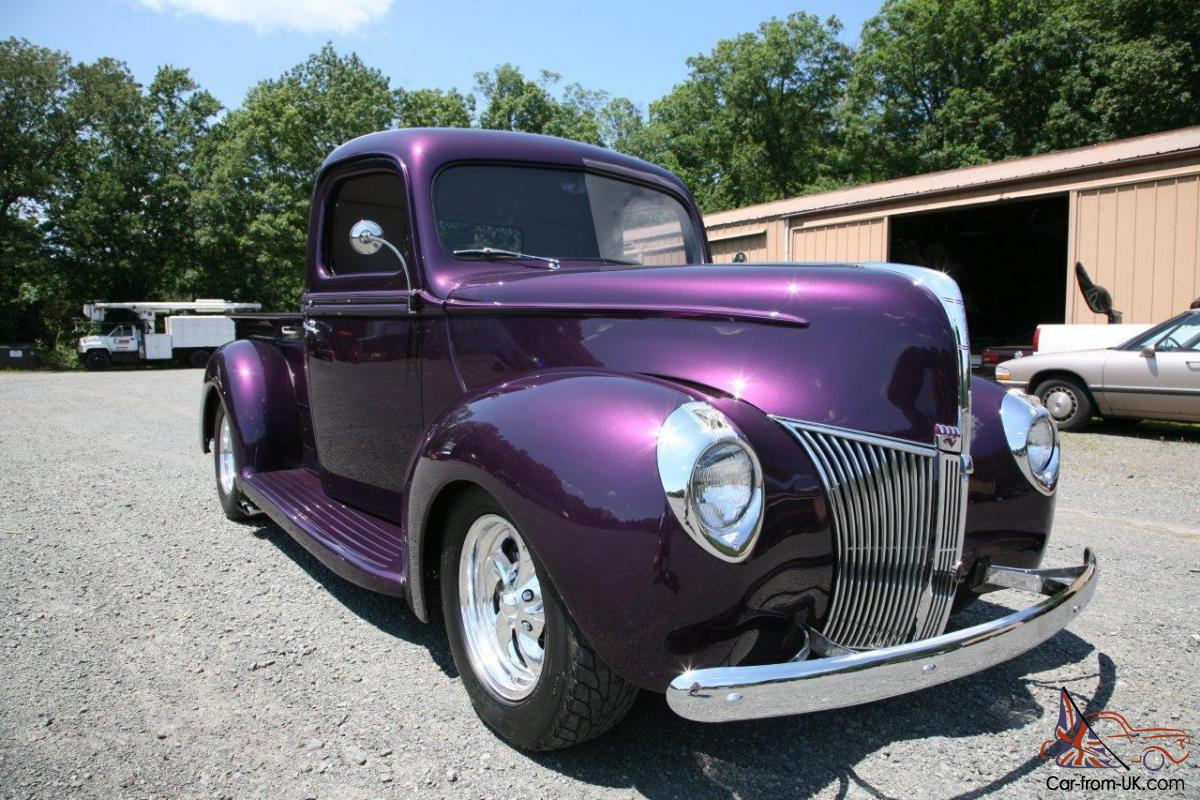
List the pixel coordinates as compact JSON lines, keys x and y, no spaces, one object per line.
{"x":1094,"y":156}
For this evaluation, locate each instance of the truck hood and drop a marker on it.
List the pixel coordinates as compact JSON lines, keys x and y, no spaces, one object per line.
{"x":841,"y":345}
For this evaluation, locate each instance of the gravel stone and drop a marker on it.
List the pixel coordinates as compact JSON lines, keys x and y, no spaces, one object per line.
{"x":130,"y":608}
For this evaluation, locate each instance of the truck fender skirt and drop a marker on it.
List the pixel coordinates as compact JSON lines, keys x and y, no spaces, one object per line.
{"x":254,"y":382}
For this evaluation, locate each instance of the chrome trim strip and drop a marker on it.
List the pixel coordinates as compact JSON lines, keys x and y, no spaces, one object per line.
{"x":724,"y":694}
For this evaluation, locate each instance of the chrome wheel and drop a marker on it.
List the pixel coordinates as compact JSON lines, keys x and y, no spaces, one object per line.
{"x":226,"y":469}
{"x":1060,"y":402}
{"x":500,"y":600}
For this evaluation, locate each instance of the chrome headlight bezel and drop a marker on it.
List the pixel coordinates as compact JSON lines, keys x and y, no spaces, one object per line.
{"x":688,"y":433}
{"x":1019,"y":412}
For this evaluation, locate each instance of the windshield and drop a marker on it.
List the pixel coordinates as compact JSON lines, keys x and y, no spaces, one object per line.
{"x":560,"y":214}
{"x":1177,"y":333}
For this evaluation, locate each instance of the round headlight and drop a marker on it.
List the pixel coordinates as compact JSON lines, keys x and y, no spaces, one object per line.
{"x":1040,"y":443}
{"x":722,"y":485}
{"x":712,"y":480}
{"x":1032,"y":438}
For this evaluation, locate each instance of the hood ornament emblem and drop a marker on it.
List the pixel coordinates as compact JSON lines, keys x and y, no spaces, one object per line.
{"x":946,"y":436}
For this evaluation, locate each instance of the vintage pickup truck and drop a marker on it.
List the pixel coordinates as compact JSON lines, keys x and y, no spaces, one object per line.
{"x":519,"y":395}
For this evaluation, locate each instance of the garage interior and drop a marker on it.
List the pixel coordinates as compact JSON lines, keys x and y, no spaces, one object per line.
{"x":1007,"y":257}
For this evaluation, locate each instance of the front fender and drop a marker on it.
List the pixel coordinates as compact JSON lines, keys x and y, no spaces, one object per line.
{"x":571,"y":456}
{"x":254,"y":382}
{"x":1008,"y":521}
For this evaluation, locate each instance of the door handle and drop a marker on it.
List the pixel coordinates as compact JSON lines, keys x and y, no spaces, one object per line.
{"x":1194,"y":364}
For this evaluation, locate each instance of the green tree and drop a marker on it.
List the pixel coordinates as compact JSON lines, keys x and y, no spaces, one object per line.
{"x":756,"y":118}
{"x":433,"y":108}
{"x":939,"y":84}
{"x":258,"y":169}
{"x":514,"y":103}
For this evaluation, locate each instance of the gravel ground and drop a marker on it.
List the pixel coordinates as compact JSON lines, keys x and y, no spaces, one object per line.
{"x":150,"y":648}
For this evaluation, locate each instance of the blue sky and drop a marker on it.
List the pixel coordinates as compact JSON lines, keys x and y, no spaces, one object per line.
{"x":635,"y":49}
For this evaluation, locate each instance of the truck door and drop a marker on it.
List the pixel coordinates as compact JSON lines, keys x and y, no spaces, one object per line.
{"x":362,"y":344}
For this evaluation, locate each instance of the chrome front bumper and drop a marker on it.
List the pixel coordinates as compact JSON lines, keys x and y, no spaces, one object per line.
{"x":723,"y":694}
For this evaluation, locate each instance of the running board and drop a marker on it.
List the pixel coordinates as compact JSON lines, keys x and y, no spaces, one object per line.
{"x":360,"y":547}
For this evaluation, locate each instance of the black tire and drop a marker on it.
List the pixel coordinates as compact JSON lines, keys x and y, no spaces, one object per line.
{"x":198,"y":359}
{"x":233,"y":502}
{"x":96,"y":360}
{"x":1079,"y":413}
{"x":577,"y":696}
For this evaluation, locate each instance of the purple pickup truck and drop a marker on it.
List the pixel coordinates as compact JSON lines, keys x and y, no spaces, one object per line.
{"x":520,"y":396}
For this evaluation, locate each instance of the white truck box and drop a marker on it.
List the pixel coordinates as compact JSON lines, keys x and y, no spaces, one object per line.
{"x":198,"y":331}
{"x":158,"y":346}
{"x":1066,"y":338}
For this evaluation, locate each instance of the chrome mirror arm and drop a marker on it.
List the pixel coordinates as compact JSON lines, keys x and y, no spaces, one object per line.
{"x":366,"y":237}
{"x":371,"y":238}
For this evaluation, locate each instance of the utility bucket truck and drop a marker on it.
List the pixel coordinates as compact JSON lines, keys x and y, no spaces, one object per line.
{"x":189,"y":338}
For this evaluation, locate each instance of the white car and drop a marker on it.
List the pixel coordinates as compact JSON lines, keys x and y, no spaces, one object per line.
{"x":1154,"y":375}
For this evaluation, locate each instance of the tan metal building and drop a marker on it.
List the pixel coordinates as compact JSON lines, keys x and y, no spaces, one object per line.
{"x":1010,"y":232}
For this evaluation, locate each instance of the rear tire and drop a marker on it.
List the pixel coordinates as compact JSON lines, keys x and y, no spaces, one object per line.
{"x":226,"y":468}
{"x":1067,"y":401}
{"x":96,"y":360}
{"x":198,"y":359}
{"x":568,"y":696}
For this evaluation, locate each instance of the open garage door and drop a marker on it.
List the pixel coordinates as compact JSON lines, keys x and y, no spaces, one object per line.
{"x":1009,"y":258}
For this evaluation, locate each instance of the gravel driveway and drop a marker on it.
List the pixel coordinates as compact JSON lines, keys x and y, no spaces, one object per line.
{"x":150,"y":648}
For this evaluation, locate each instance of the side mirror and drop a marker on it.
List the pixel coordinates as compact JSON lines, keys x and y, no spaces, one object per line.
{"x":739,"y":257}
{"x":1147,"y":352}
{"x":366,"y":237}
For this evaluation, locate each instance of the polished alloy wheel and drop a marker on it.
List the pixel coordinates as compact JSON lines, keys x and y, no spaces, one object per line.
{"x":1060,"y":402}
{"x":503,"y":616}
{"x":226,"y":469}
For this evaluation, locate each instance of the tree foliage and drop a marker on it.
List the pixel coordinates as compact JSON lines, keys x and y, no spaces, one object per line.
{"x":110,"y":189}
{"x":755,"y":120}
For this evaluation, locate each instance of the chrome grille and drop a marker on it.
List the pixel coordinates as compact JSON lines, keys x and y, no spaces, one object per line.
{"x":897,"y":510}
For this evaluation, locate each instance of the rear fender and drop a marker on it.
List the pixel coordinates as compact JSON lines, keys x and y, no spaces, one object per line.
{"x":254,"y":382}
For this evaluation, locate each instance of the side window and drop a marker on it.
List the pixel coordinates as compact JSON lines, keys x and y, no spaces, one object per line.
{"x":377,"y":196}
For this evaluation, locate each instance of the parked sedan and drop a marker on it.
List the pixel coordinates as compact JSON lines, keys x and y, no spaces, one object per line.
{"x":1155,"y":375}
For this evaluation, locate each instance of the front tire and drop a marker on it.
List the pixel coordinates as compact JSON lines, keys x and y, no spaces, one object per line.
{"x":1067,"y":401}
{"x":96,"y":360}
{"x":225,"y":468}
{"x":530,"y":675}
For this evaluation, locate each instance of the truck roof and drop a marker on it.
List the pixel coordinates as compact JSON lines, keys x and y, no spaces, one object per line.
{"x":430,"y":148}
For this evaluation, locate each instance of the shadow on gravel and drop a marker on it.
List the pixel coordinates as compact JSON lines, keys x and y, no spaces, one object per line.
{"x":661,"y":755}
{"x":388,"y":614}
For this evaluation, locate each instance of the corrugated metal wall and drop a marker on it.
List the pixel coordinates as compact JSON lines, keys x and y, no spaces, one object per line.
{"x":761,"y":241}
{"x":1140,"y":241}
{"x":865,"y":240}
{"x":754,"y":246}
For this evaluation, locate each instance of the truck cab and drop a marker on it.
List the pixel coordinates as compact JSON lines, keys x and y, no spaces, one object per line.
{"x":121,"y":344}
{"x":517,"y":395}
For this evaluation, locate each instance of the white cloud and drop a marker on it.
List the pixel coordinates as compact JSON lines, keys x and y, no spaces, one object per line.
{"x":309,"y":16}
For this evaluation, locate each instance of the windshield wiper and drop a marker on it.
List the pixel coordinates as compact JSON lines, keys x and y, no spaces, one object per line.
{"x":495,"y":253}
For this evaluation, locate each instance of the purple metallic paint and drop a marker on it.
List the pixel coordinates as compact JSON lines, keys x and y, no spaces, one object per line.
{"x":546,"y":389}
